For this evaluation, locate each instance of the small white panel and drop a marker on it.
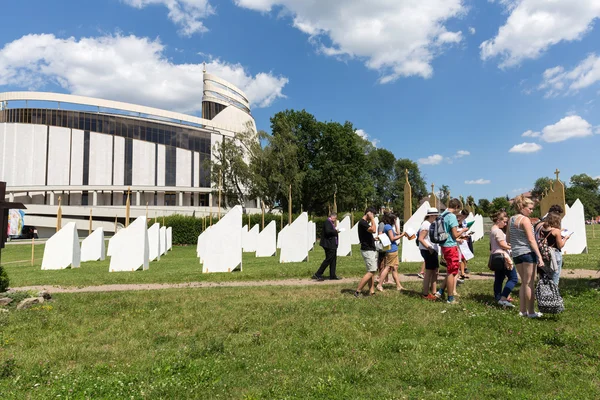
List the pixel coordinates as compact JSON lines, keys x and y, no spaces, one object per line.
{"x":281,"y":236}
{"x":477,"y":228}
{"x":169,"y":232}
{"x":224,"y":247}
{"x":266,"y":245}
{"x":295,"y":246}
{"x":154,"y":242}
{"x":132,"y":253}
{"x":58,"y":153}
{"x":100,"y":159}
{"x":163,"y":240}
{"x":251,"y":239}
{"x":354,"y":236}
{"x":574,"y":220}
{"x":62,"y":249}
{"x":410,"y":251}
{"x":92,"y":247}
{"x":119,"y":165}
{"x":184,"y":167}
{"x":202,"y":244}
{"x":77,"y":157}
{"x":344,"y":238}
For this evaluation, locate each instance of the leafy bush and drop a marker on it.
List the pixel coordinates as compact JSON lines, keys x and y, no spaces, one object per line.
{"x":3,"y":280}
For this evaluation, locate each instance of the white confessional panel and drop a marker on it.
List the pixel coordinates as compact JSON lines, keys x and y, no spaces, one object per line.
{"x":266,"y":245}
{"x":410,"y":251}
{"x":62,"y":249}
{"x":224,"y":244}
{"x":295,"y":244}
{"x":133,"y":250}
{"x":93,"y":247}
{"x":574,"y":220}
{"x":344,"y":238}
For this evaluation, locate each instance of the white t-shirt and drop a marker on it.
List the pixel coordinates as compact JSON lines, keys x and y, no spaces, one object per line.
{"x":425,"y":227}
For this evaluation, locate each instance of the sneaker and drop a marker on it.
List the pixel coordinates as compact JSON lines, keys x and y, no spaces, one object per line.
{"x":420,"y":276}
{"x":506,"y":303}
{"x":357,"y":294}
{"x":535,"y":315}
{"x":429,"y":297}
{"x":318,"y":278}
{"x":522,"y":314}
{"x":438,"y":295}
{"x":452,"y":302}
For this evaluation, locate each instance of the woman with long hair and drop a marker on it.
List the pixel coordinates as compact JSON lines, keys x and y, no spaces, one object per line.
{"x":391,"y":256}
{"x":429,"y":252}
{"x":551,"y":230}
{"x":526,"y":254}
{"x":501,"y":261}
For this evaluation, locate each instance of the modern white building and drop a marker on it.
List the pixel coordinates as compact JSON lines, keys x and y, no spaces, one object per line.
{"x":91,"y":151}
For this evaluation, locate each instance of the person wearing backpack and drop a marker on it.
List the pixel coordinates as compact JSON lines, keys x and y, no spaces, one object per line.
{"x":526,"y":254}
{"x":550,"y":231}
{"x":429,"y":252}
{"x":449,"y":246}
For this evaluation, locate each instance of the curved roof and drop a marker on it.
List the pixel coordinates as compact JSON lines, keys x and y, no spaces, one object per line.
{"x":220,"y":91}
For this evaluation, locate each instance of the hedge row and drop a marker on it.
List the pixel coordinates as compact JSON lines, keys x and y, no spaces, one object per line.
{"x":187,"y":228}
{"x":3,"y":280}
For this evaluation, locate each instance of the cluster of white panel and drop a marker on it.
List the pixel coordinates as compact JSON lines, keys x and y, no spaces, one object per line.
{"x":93,"y":247}
{"x":477,"y":227}
{"x":266,"y":245}
{"x":250,"y":239}
{"x":574,"y":221}
{"x":294,"y":244}
{"x":344,"y":238}
{"x":220,"y":247}
{"x":410,"y":251}
{"x":62,"y":249}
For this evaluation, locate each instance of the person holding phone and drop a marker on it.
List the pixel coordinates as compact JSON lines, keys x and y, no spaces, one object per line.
{"x":366,"y":229}
{"x":391,"y":257}
{"x":526,"y":254}
{"x":429,"y":252}
{"x":551,"y":230}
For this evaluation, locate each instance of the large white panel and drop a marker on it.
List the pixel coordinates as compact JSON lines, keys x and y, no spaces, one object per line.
{"x":410,"y":251}
{"x":295,"y":245}
{"x":250,"y":239}
{"x":196,"y":169}
{"x":38,"y":167}
{"x":143,"y":163}
{"x":161,"y":164}
{"x":154,"y":242}
{"x":77,"y":157}
{"x":62,"y":249}
{"x":100,"y":159}
{"x":201,"y":247}
{"x":266,"y":245}
{"x":477,"y":228}
{"x":92,"y":248}
{"x":281,"y":236}
{"x":119,"y":166}
{"x":133,"y":251}
{"x":224,"y":247}
{"x":354,"y":236}
{"x":58,"y":155}
{"x":574,"y":220}
{"x":114,"y":242}
{"x":344,"y":238}
{"x":184,"y":167}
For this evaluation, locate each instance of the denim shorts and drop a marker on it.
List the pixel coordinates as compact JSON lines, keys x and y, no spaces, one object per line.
{"x":529,"y":258}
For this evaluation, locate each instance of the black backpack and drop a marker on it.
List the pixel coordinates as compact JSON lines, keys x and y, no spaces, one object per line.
{"x":437,"y":231}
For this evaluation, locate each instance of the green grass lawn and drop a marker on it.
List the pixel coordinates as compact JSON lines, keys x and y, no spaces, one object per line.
{"x":181,"y":265}
{"x":299,"y":343}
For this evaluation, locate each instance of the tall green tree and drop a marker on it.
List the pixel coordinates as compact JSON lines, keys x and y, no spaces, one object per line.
{"x":484,"y":206}
{"x":500,"y":203}
{"x":540,"y":185}
{"x":586,"y":189}
{"x":382,"y":173}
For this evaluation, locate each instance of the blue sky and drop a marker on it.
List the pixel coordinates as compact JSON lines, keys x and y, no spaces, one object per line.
{"x":452,"y":83}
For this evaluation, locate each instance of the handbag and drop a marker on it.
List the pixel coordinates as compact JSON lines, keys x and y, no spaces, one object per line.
{"x":498,"y":262}
{"x":548,"y":296}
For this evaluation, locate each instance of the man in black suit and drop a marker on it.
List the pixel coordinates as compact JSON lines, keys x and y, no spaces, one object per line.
{"x":329,"y":243}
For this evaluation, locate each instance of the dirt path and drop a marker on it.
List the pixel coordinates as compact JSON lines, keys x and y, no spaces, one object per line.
{"x":576,"y":273}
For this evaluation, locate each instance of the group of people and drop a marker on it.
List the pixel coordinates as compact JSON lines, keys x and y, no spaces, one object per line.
{"x":513,"y":246}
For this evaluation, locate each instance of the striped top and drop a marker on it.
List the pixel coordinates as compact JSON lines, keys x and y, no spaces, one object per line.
{"x":518,"y":239}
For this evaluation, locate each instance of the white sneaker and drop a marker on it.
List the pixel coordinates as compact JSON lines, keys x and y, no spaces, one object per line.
{"x":506,"y":303}
{"x":535,"y":315}
{"x":438,"y":295}
{"x":522,"y":314}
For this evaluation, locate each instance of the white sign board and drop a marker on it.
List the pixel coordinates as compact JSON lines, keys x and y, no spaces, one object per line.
{"x":163,"y":240}
{"x":133,"y":251}
{"x":113,"y":242}
{"x":169,"y":238}
{"x":62,"y":249}
{"x":154,"y":242}
{"x":281,"y":236}
{"x":93,"y":247}
{"x":202,"y":242}
{"x":410,"y":251}
{"x":574,"y":221}
{"x":354,"y":234}
{"x":224,"y":245}
{"x":344,"y":238}
{"x":295,"y":244}
{"x":267,"y":243}
{"x":251,"y":237}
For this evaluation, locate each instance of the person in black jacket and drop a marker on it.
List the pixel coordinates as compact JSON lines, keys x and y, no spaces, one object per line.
{"x":329,"y":243}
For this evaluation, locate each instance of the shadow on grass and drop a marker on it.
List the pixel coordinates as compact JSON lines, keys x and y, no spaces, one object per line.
{"x":578,"y":286}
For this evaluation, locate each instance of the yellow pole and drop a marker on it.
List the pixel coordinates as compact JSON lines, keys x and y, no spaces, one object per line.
{"x":290,"y":206}
{"x":32,"y":250}
{"x":90,"y":230}
{"x":59,"y":215}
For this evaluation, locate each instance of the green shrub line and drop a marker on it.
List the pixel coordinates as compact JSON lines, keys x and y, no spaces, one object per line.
{"x":4,"y":281}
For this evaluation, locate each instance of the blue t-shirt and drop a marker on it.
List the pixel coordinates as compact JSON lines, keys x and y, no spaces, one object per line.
{"x":394,"y":246}
{"x":450,"y":222}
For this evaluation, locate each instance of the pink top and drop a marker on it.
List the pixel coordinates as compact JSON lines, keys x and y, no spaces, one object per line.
{"x":496,"y":236}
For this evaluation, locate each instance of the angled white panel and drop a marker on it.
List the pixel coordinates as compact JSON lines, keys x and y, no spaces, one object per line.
{"x":143,"y":163}
{"x":266,"y":245}
{"x":58,"y":151}
{"x":344,"y":238}
{"x":574,"y":220}
{"x":224,"y":247}
{"x":119,"y":165}
{"x":132,"y":253}
{"x":169,"y":232}
{"x":114,"y":242}
{"x":93,"y":247}
{"x":100,"y":159}
{"x":154,"y":242}
{"x":295,"y":245}
{"x":354,"y":234}
{"x":202,"y":244}
{"x":312,"y":235}
{"x":410,"y":251}
{"x":281,"y":236}
{"x":244,"y":235}
{"x":184,"y":168}
{"x":77,"y":157}
{"x":163,"y":240}
{"x":250,"y":239}
{"x":62,"y":249}
{"x":477,"y":228}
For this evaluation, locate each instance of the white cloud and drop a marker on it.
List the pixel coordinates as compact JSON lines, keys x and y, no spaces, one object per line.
{"x":535,"y":25}
{"x":569,"y":127}
{"x":187,"y":14}
{"x":557,"y":80}
{"x":397,"y":38}
{"x":124,"y":68}
{"x":531,"y":133}
{"x":478,"y":182}
{"x":431,"y":160}
{"x":462,"y":153}
{"x":366,"y":136}
{"x":471,"y":30}
{"x":520,"y":190}
{"x":525,"y":148}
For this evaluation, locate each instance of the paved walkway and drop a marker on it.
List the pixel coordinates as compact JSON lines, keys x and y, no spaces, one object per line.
{"x":574,"y":273}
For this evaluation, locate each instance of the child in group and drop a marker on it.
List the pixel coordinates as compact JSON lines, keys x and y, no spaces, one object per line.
{"x":429,"y":252}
